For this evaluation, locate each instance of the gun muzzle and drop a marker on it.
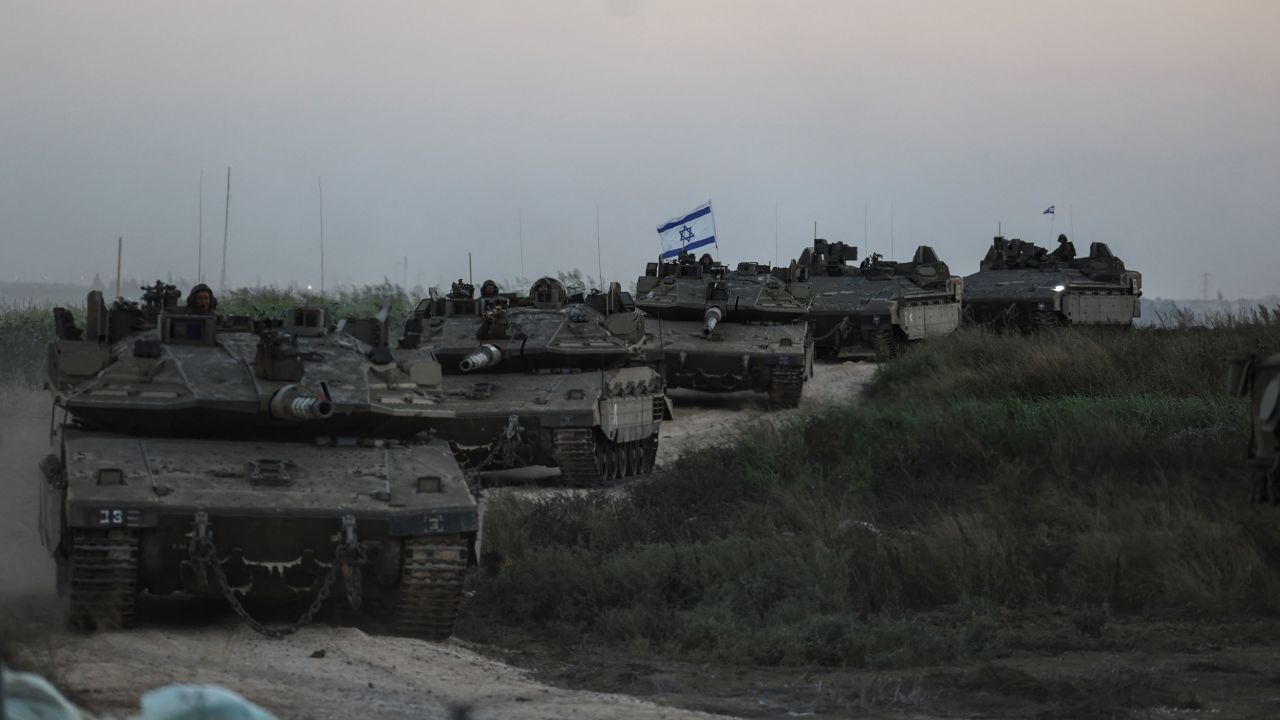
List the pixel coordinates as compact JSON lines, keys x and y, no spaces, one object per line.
{"x":292,"y":403}
{"x":710,"y":319}
{"x":482,"y":357}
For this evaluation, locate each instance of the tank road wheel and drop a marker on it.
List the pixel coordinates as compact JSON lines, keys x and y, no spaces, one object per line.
{"x":581,"y":456}
{"x":785,"y":385}
{"x":1045,"y":320}
{"x":882,"y":342}
{"x":103,"y":579}
{"x":650,"y":448}
{"x":426,"y":605}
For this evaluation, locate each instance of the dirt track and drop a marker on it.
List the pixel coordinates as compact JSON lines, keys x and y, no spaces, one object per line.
{"x":360,"y":674}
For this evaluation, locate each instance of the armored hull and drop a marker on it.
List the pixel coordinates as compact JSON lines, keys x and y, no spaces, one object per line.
{"x":1258,"y":379}
{"x":264,"y":462}
{"x":544,"y":381}
{"x":876,"y":307}
{"x":724,"y":330}
{"x":1022,"y":285}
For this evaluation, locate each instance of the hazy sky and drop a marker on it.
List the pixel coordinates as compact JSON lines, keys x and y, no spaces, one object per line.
{"x":432,"y":124}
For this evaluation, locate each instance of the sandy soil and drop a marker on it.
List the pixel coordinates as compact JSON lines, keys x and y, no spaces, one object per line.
{"x":713,"y":418}
{"x":361,"y":674}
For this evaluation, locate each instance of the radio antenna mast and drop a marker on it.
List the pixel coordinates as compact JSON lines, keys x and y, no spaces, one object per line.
{"x":200,"y":235}
{"x":226,"y":221}
{"x":320,"y":185}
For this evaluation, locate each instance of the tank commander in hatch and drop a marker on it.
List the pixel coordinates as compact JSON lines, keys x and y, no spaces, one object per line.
{"x":489,"y":289}
{"x":200,"y":301}
{"x":1066,"y":252}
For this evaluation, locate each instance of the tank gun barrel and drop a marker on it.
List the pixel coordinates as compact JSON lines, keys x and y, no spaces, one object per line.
{"x":482,"y":357}
{"x":710,"y":319}
{"x":292,"y":403}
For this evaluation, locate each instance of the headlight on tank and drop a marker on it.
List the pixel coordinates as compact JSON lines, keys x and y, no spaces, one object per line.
{"x":1059,"y":288}
{"x":110,"y":476}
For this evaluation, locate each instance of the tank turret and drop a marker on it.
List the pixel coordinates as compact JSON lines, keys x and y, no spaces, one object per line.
{"x":547,"y":378}
{"x":721,"y":329}
{"x":875,"y":306}
{"x":251,"y":459}
{"x":1022,"y":285}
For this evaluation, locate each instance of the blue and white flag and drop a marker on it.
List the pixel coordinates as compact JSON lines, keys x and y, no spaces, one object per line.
{"x":1048,"y":212}
{"x":688,"y":232}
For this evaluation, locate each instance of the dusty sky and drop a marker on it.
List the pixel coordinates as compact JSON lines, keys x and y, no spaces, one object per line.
{"x":434,"y":124}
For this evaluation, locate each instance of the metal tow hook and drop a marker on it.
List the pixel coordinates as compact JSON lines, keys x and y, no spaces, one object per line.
{"x":352,"y":554}
{"x":201,"y":548}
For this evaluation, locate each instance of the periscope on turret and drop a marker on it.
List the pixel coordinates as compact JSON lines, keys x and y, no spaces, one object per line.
{"x":1022,"y":285}
{"x":543,"y":379}
{"x":249,"y":458}
{"x":717,"y":329}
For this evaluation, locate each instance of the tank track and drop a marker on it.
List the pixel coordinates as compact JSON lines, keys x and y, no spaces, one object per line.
{"x":103,"y":579}
{"x":431,"y":579}
{"x":586,"y":459}
{"x":1045,"y":320}
{"x":882,"y":342}
{"x":786,"y":382}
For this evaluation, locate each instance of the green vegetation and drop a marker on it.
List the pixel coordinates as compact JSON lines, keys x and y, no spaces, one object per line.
{"x":984,"y":475}
{"x":24,"y":332}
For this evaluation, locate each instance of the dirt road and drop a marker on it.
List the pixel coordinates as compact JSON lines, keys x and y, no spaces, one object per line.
{"x":360,"y":674}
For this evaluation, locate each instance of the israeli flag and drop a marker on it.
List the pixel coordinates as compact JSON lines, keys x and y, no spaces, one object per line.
{"x":1048,"y":212}
{"x":688,"y":232}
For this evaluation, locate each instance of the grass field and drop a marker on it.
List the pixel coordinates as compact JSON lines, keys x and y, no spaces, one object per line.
{"x":1100,"y":474}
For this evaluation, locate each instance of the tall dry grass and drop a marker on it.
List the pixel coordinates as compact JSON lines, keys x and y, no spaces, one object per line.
{"x":1098,"y":472}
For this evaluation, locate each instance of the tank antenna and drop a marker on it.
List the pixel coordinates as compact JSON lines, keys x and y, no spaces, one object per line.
{"x":320,"y":186}
{"x":471,"y":278}
{"x":226,"y":220}
{"x":775,"y":233}
{"x":815,"y":229}
{"x":599,"y":261}
{"x":1071,"y":215}
{"x":520,"y":233}
{"x":200,"y":235}
{"x":119,"y":259}
{"x":866,"y":244}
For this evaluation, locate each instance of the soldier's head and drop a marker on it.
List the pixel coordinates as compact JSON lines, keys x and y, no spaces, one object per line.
{"x":201,"y":300}
{"x":1062,"y":239}
{"x":705,"y":260}
{"x":489,"y":289}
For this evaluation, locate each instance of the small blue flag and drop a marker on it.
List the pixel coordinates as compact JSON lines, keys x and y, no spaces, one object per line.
{"x":1048,"y":212}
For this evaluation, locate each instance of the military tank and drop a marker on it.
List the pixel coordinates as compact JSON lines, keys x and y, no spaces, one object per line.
{"x":256,"y":460}
{"x":543,"y":380}
{"x":1020,"y":284}
{"x":723,"y":330}
{"x":873,"y":308}
{"x":1258,"y":378}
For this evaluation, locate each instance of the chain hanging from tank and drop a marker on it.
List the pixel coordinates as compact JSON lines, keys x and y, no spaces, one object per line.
{"x":347,"y":559}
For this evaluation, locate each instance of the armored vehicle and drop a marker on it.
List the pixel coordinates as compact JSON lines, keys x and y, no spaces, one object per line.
{"x":876,"y":306}
{"x":546,"y":379}
{"x":1258,"y":378}
{"x":262,"y":461}
{"x":723,"y":330}
{"x":1020,"y":284}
